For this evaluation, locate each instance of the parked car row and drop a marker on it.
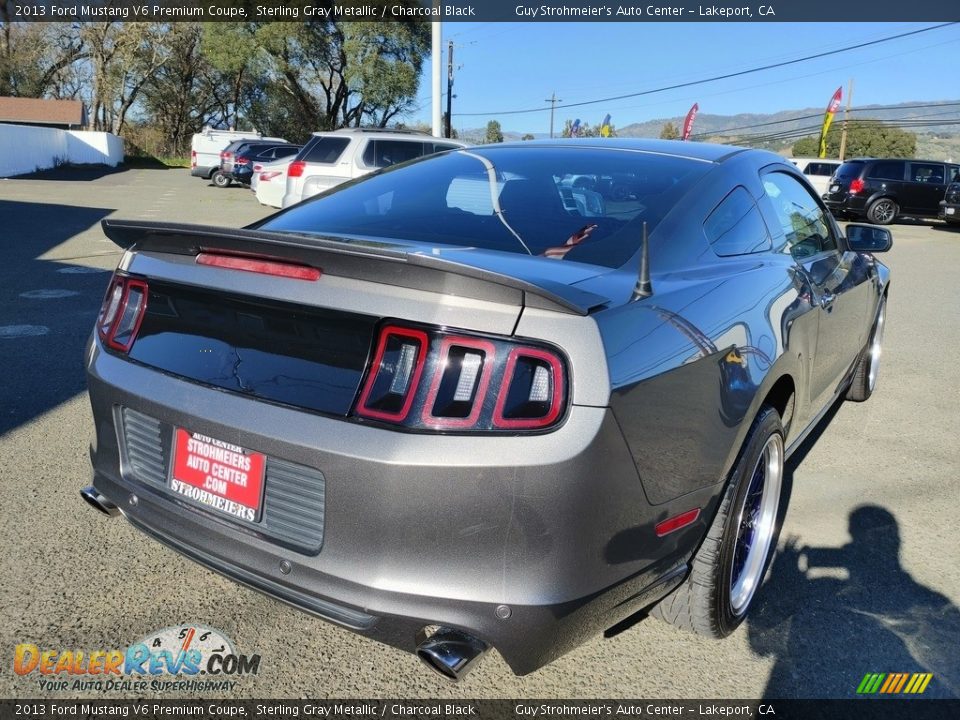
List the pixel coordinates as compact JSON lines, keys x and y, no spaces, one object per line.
{"x":282,"y":174}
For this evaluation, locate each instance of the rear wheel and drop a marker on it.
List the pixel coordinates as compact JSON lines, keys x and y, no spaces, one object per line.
{"x":882,"y":212}
{"x":733,"y":559}
{"x":220,"y":180}
{"x":865,"y":376}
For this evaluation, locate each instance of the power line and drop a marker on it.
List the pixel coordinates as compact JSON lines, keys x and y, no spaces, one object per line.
{"x":726,"y":76}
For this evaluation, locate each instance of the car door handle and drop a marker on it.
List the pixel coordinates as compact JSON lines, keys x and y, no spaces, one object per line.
{"x":826,"y":299}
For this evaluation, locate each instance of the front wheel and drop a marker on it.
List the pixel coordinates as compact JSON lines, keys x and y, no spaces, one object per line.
{"x":220,"y":180}
{"x":882,"y":212}
{"x":734,"y":556}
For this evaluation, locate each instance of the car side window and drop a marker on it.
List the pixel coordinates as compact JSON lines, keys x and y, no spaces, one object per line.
{"x":929,"y":173}
{"x":736,"y":227}
{"x":804,"y":223}
{"x":886,"y":171}
{"x":383,"y":153}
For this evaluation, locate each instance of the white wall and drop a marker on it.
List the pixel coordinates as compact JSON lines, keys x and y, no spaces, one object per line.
{"x":24,"y":149}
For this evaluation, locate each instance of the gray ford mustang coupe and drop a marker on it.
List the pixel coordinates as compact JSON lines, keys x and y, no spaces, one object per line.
{"x":504,"y":397}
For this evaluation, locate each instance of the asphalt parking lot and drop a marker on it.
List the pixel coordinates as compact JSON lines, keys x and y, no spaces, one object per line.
{"x":853,"y":591}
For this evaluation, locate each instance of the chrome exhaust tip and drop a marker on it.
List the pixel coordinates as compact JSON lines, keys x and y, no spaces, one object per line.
{"x":451,"y":653}
{"x":98,"y":501}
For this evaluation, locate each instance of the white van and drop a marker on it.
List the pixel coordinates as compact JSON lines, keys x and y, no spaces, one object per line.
{"x":205,"y":148}
{"x":818,"y":171}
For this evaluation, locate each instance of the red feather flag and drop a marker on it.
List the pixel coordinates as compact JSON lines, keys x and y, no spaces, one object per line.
{"x":688,"y":123}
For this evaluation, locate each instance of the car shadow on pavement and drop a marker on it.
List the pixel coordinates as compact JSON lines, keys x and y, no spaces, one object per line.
{"x":830,"y":615}
{"x":47,"y":306}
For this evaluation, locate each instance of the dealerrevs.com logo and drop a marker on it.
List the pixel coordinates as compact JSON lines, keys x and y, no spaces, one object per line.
{"x":190,"y":658}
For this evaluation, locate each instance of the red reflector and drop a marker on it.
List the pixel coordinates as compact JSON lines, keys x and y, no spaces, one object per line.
{"x":677,"y":522}
{"x":296,"y":168}
{"x":856,"y":186}
{"x":259,"y":265}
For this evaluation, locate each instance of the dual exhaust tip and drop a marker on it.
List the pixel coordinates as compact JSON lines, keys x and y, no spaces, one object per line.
{"x":451,"y":653}
{"x":98,"y":501}
{"x":448,"y":652}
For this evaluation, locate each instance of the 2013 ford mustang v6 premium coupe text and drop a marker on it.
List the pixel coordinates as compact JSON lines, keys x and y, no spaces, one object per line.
{"x":504,"y":397}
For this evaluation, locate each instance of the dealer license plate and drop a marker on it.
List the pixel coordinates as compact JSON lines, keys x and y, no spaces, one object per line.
{"x":217,"y":475}
{"x":949,"y":211}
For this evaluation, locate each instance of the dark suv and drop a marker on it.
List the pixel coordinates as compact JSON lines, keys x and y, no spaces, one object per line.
{"x":950,"y":205}
{"x":236,"y":160}
{"x":883,"y":189}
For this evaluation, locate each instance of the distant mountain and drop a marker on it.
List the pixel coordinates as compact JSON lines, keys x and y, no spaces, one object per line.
{"x":943,"y":117}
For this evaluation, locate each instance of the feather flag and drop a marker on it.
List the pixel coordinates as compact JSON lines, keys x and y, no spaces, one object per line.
{"x":575,"y":128}
{"x":828,"y":118}
{"x":688,"y":123}
{"x":605,"y":126}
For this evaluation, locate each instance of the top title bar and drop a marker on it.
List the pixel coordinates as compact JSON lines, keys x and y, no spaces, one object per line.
{"x":479,"y":11}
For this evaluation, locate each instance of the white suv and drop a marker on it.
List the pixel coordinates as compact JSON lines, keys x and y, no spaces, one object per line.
{"x":330,"y":158}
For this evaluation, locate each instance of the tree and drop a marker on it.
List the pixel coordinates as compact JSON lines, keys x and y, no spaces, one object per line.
{"x":527,"y":136}
{"x":494,"y":133}
{"x":865,"y":138}
{"x":669,"y":132}
{"x":39,"y":59}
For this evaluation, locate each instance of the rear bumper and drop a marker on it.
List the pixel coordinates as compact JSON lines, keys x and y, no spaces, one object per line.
{"x":843,"y":204}
{"x":949,"y":211}
{"x":418,"y":530}
{"x":204,"y":172}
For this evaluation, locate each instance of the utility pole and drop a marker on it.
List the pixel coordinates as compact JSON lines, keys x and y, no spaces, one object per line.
{"x":843,"y":131}
{"x":447,"y":130}
{"x":436,"y":46}
{"x":553,"y":100}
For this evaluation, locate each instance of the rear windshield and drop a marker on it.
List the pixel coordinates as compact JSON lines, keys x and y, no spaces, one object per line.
{"x":581,"y":204}
{"x":849,"y":170}
{"x":325,"y":150}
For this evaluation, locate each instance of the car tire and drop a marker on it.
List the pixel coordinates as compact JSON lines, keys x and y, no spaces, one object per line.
{"x":736,"y":553}
{"x":865,"y":376}
{"x":220,"y":180}
{"x":883,"y":211}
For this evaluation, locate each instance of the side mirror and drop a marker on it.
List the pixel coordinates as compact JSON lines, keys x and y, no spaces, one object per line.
{"x":868,"y":238}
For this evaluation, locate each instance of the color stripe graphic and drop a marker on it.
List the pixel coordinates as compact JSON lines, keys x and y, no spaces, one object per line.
{"x":894,"y":683}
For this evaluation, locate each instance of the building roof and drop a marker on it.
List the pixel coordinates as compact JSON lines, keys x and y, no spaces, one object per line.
{"x":41,"y":112}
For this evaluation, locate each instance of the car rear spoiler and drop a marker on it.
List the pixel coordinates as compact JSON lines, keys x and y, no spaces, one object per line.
{"x":366,"y":260}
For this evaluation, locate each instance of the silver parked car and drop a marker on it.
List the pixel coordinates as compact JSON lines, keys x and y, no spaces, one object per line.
{"x":461,"y":404}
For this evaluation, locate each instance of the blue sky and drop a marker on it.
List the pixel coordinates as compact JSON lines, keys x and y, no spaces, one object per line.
{"x":505,"y":66}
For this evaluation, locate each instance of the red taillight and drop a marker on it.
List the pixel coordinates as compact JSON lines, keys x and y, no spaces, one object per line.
{"x":242,"y":160}
{"x":258,"y":167}
{"x":856,"y":186}
{"x":460,"y":382}
{"x":193,"y":158}
{"x":270,"y":175}
{"x":395,"y":374}
{"x":470,"y":383}
{"x":296,"y":168}
{"x":122,"y":312}
{"x":676,"y":522}
{"x":262,"y":265}
{"x":532,"y":390}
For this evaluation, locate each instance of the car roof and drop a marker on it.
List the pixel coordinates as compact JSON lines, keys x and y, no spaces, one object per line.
{"x":387,"y":134}
{"x":710,"y":152}
{"x":897,"y":159}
